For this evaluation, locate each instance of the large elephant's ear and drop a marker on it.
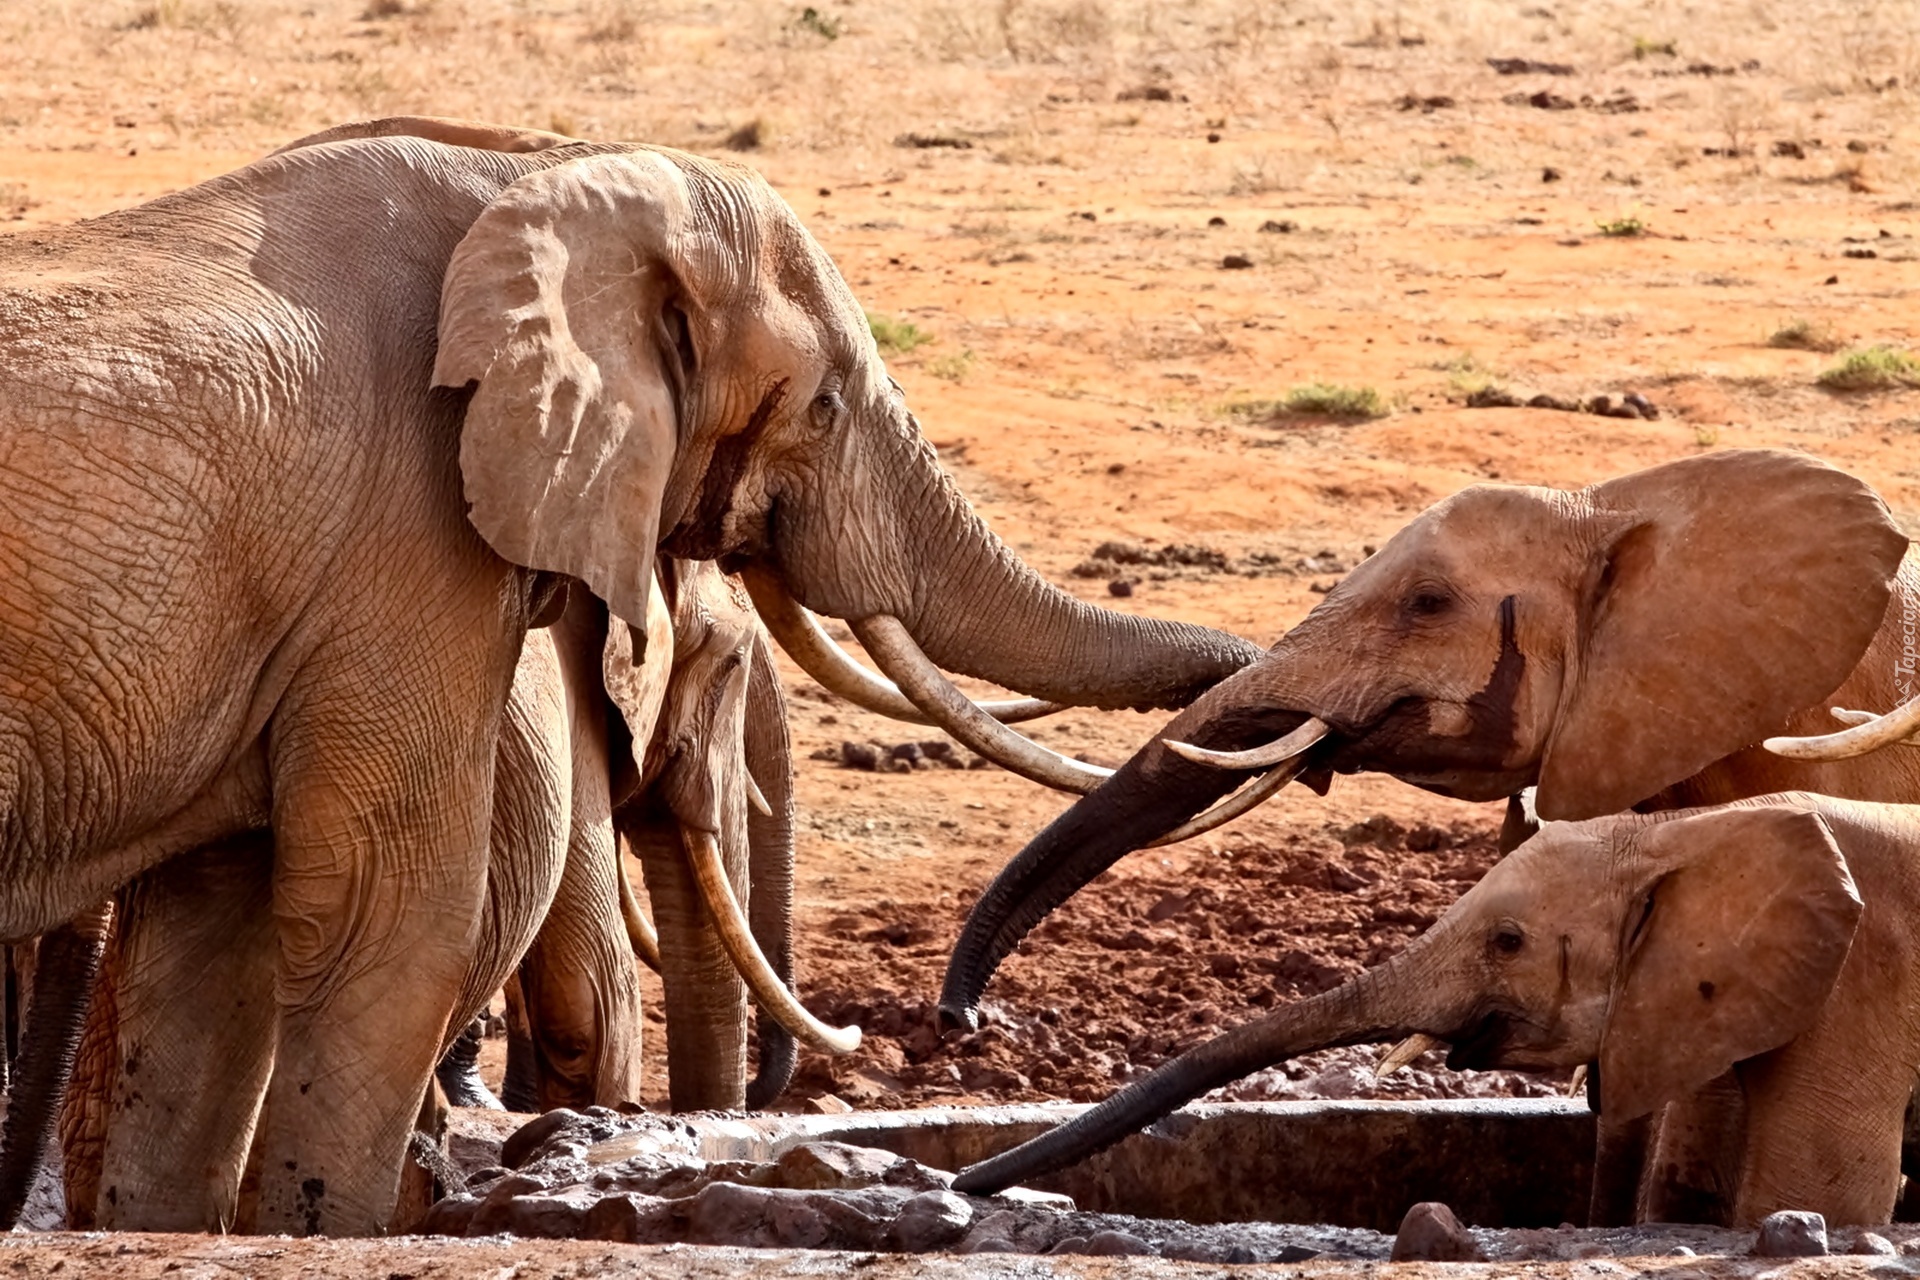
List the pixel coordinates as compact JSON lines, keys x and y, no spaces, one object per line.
{"x":567,"y":304}
{"x":1730,"y":952}
{"x":1726,"y":592}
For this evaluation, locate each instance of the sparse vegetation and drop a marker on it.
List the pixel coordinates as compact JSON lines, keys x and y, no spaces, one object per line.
{"x":1804,"y":334}
{"x":813,"y":21}
{"x":1318,"y":400}
{"x":896,"y":337}
{"x":1875,"y":368}
{"x":1626,"y":225}
{"x":1644,"y":48}
{"x":952,"y":368}
{"x":1467,"y":375}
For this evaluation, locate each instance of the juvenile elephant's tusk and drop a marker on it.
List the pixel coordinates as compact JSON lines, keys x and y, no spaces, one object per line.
{"x":1277,"y":752}
{"x":703,"y":851}
{"x":755,"y":796}
{"x":900,"y":657}
{"x":1406,"y":1051}
{"x":640,"y":935}
{"x":1242,"y":801}
{"x":801,"y":635}
{"x":1577,"y":1085}
{"x":1867,"y":735}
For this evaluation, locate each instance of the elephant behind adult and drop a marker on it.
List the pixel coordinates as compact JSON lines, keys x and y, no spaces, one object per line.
{"x":706,"y":802}
{"x":1776,"y":940}
{"x":235,"y":519}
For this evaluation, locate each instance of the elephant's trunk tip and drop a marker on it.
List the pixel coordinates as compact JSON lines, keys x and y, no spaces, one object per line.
{"x":956,"y":1015}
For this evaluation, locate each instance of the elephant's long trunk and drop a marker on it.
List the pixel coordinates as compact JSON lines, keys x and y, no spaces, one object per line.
{"x":1348,"y":1014}
{"x":1149,"y":796}
{"x":901,"y":540}
{"x":63,"y":977}
{"x":770,"y":853}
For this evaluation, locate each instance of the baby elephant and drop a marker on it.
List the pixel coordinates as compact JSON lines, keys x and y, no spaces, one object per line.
{"x":1766,"y":946}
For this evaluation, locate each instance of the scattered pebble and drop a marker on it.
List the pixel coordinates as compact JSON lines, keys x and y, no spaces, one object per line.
{"x":1791,"y":1233}
{"x":1430,"y":1233}
{"x":1236,"y":262}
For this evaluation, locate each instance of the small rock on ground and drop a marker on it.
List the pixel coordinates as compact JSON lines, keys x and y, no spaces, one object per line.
{"x":1431,"y":1233}
{"x":1791,"y":1233}
{"x":931,"y":1220}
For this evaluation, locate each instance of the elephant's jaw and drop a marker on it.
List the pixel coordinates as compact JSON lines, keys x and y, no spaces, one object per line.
{"x":1437,"y":746}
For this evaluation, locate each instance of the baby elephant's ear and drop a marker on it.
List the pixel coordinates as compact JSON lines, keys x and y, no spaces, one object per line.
{"x":1729,"y":952}
{"x":568,"y":303}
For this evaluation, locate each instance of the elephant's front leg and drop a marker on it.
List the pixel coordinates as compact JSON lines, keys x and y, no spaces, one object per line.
{"x":380,"y":835}
{"x":191,"y":1036}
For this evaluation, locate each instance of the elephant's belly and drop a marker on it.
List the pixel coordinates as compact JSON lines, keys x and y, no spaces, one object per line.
{"x":69,"y":839}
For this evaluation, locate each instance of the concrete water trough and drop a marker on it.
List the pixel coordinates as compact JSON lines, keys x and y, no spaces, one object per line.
{"x":1231,"y":1182}
{"x":1498,"y":1162}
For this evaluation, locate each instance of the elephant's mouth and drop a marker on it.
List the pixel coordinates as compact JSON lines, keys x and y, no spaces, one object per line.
{"x":1478,"y":1047}
{"x":1473,"y":763}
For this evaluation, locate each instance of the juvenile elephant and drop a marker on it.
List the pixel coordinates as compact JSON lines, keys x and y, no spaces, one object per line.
{"x":282,"y":458}
{"x":1774,"y":942}
{"x":706,"y":801}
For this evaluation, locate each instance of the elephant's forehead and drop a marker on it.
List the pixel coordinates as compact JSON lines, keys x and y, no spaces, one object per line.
{"x":1490,"y":528}
{"x":1565,"y":864}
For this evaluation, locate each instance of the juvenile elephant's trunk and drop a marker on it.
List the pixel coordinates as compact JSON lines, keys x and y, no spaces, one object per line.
{"x":770,"y":853}
{"x":1149,"y":796}
{"x":64,"y":971}
{"x":1352,"y":1013}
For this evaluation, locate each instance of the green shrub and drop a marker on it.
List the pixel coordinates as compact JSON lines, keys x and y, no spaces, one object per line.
{"x":1623,"y":226}
{"x":896,"y":337}
{"x":1328,"y":400}
{"x":1876,"y":368}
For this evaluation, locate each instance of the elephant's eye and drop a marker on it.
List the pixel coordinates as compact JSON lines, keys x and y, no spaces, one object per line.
{"x":1507,"y":940}
{"x":827,"y":407}
{"x":1428,"y":602}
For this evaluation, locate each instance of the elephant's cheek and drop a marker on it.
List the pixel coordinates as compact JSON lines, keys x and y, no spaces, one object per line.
{"x":1448,"y":720}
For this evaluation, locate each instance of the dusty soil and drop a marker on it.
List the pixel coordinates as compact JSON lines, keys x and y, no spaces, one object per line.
{"x":139,"y":1257}
{"x":1137,"y":229}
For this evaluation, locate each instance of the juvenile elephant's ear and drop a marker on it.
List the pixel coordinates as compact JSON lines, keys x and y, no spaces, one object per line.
{"x":1726,"y":592}
{"x":1731,"y":951}
{"x":566,"y":304}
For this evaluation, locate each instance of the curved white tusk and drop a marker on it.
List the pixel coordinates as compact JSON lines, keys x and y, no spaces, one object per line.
{"x":1276,"y":752}
{"x":1248,"y":798}
{"x":755,"y":796}
{"x":801,"y":635}
{"x":1577,"y":1084}
{"x":703,"y":852}
{"x":1406,"y":1051}
{"x":1866,"y":735}
{"x":640,"y":935}
{"x":900,"y":657}
{"x":1845,"y":716}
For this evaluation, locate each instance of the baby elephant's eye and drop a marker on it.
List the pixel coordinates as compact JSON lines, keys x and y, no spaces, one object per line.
{"x":1507,"y":940}
{"x":1427,"y":604}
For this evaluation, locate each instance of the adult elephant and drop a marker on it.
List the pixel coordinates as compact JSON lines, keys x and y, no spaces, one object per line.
{"x":271,"y":550}
{"x":1625,"y":645}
